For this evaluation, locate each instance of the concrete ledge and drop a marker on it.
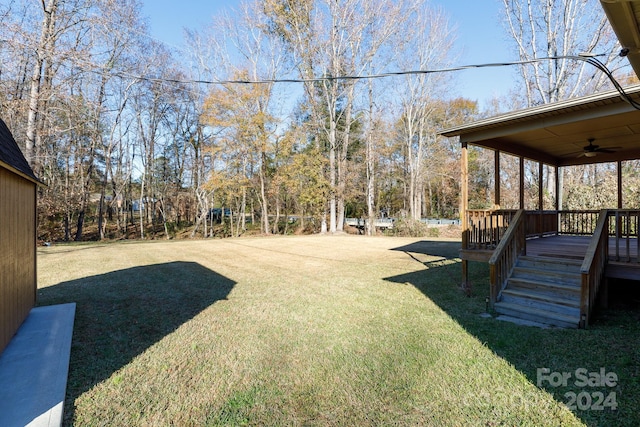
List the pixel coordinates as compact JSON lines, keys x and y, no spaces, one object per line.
{"x":34,"y":368}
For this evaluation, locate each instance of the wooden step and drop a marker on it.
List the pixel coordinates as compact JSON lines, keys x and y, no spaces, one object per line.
{"x":543,"y":301}
{"x":543,"y":297}
{"x":550,"y":264}
{"x":560,"y":289}
{"x":537,"y":315}
{"x":561,"y":277}
{"x":543,"y":289}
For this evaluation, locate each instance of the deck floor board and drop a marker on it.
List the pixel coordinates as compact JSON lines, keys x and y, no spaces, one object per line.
{"x":575,"y":247}
{"x":621,"y":264}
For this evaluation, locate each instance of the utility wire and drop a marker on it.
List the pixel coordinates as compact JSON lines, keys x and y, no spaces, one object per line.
{"x":591,"y":59}
{"x":602,"y":67}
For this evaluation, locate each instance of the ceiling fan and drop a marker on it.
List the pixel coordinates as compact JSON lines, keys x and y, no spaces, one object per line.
{"x":592,"y":150}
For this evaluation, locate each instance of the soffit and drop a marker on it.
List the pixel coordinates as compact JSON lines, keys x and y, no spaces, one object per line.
{"x":556,"y":133}
{"x":624,"y":16}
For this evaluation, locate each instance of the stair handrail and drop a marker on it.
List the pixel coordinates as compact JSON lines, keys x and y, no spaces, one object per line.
{"x":593,"y":266}
{"x":506,"y":254}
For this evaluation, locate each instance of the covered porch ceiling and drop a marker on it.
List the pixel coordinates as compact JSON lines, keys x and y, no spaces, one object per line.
{"x":557,"y":133}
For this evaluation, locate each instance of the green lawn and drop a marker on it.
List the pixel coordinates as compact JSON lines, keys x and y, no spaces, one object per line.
{"x":316,"y":330}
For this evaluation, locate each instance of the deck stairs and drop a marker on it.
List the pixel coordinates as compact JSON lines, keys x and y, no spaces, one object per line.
{"x":544,"y":290}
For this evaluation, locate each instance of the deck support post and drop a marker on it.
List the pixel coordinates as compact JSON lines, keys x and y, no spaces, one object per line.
{"x":496,"y":197}
{"x":540,"y":196}
{"x":521,"y":189}
{"x":464,"y":206}
{"x":540,"y":185}
{"x":619,"y":184}
{"x":618,"y":228}
{"x":558,"y":205}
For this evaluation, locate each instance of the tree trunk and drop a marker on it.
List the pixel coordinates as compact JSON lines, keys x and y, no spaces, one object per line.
{"x":263,"y":198}
{"x":344,"y":154}
{"x":48,"y":29}
{"x":67,"y":230}
{"x":276,"y":229}
{"x":79,"y":226}
{"x":141,"y":207}
{"x":370,"y":160}
{"x":332,"y":176}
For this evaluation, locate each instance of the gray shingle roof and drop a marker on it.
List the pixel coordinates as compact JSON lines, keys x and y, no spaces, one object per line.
{"x":10,"y":153}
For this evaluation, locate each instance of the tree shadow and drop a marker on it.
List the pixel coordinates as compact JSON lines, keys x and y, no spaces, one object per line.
{"x":612,"y":341}
{"x":122,"y":313}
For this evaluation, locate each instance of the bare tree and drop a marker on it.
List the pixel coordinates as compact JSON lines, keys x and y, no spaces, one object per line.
{"x":559,"y":28}
{"x":45,"y":45}
{"x":61,"y":25}
{"x":430,"y":39}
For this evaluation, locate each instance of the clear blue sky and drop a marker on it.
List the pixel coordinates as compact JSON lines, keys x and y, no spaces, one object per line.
{"x":481,"y":37}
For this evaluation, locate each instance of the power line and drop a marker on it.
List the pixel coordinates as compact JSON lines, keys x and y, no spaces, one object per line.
{"x":591,"y":59}
{"x":372,"y":76}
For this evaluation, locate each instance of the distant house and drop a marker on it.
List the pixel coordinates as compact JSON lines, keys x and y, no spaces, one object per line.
{"x":18,"y":186}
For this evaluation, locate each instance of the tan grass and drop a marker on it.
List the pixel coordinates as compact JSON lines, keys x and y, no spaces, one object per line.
{"x":315,"y":330}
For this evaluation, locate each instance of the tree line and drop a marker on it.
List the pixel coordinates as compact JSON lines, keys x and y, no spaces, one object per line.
{"x":137,"y":139}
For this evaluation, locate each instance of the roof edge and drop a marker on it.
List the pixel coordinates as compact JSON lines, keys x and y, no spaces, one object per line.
{"x":540,"y":109}
{"x":622,"y":17}
{"x":22,"y":174}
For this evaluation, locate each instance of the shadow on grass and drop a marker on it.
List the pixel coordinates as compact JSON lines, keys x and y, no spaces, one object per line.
{"x":122,"y":313}
{"x":612,"y":342}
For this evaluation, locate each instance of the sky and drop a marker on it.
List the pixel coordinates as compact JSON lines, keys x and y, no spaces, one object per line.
{"x":481,"y":37}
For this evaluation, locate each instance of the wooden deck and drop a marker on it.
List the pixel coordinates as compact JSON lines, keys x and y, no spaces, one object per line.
{"x":576,"y":247}
{"x":623,"y":259}
{"x":624,"y":265}
{"x":552,"y":266}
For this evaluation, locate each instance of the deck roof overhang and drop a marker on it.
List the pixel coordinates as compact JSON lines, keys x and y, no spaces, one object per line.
{"x":624,"y":16}
{"x":556,"y":133}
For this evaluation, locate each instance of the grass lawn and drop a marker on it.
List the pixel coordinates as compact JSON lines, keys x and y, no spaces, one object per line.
{"x":315,"y":330}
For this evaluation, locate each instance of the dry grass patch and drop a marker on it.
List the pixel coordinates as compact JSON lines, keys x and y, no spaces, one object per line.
{"x":340,"y":330}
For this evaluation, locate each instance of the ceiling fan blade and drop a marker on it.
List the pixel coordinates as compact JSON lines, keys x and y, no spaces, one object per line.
{"x":592,"y":149}
{"x":608,"y":150}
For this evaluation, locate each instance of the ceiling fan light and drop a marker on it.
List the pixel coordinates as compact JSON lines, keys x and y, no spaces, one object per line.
{"x":590,"y":154}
